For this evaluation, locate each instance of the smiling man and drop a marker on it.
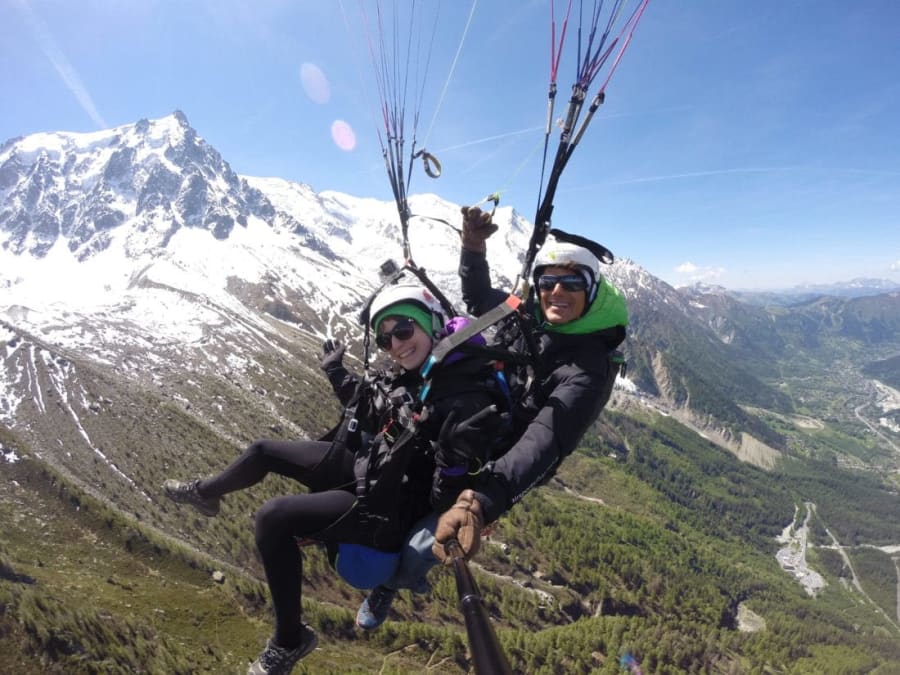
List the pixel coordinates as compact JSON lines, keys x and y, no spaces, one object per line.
{"x":562,"y":294}
{"x":583,"y":322}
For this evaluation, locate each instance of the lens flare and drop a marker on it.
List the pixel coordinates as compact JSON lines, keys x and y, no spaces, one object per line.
{"x":315,"y":84}
{"x":343,"y":136}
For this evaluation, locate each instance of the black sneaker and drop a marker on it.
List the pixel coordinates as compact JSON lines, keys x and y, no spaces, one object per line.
{"x":186,"y":493}
{"x":277,"y":660}
{"x":374,"y":609}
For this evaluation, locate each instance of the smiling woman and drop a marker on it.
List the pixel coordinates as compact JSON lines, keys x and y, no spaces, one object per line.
{"x":400,"y":451}
{"x":406,"y":321}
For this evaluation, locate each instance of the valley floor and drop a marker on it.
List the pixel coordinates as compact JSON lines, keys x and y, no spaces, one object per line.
{"x":792,"y":559}
{"x":792,"y":556}
{"x":888,"y":400}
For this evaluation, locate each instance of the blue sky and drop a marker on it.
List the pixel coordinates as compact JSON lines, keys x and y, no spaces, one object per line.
{"x":751,"y":144}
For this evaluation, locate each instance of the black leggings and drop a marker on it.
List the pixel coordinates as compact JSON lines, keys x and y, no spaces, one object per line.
{"x":307,"y":462}
{"x":329,"y":517}
{"x":326,"y":514}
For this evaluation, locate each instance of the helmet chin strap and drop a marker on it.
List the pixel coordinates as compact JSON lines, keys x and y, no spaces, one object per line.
{"x":590,"y":297}
{"x":591,"y":291}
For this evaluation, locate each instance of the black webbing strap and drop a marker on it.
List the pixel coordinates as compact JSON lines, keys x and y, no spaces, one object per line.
{"x":430,"y":163}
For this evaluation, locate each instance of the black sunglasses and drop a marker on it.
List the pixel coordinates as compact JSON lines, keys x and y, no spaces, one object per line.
{"x":569,"y":282}
{"x":402,"y":330}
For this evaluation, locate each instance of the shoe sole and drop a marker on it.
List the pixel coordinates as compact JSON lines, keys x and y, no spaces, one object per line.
{"x":369,"y":628}
{"x":313,"y":643}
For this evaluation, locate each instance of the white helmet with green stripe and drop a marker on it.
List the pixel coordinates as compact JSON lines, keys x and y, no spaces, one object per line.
{"x":411,"y":301}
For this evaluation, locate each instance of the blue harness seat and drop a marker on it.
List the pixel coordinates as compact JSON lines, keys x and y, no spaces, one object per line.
{"x":363,"y":567}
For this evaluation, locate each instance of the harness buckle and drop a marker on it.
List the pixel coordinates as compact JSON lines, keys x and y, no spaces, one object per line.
{"x":402,"y":398}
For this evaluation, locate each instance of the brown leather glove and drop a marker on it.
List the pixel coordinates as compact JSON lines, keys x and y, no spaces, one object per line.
{"x":476,"y":228}
{"x":463,"y":523}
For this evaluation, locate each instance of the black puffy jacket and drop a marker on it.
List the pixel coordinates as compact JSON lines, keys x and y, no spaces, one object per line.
{"x":575,"y":376}
{"x":395,"y":493}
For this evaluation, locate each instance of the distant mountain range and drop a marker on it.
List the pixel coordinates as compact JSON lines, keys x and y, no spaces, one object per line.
{"x":144,"y":238}
{"x":855,"y":288}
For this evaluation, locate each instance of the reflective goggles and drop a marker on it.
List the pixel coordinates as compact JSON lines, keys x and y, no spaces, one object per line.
{"x":569,"y":282}
{"x":402,"y":330}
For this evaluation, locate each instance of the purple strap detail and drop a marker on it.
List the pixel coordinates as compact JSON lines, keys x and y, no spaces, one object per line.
{"x":455,"y":324}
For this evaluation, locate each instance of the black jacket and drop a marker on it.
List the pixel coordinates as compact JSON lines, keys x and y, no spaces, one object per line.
{"x":574,"y":381}
{"x":397,"y":500}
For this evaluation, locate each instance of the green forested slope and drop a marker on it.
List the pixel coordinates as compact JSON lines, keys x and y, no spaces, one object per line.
{"x":650,"y":553}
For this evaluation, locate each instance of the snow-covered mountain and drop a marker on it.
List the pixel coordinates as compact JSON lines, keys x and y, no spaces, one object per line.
{"x":135,"y":263}
{"x":139,"y":249}
{"x":151,"y":299}
{"x":144,"y":230}
{"x":153,"y":202}
{"x":135,"y":258}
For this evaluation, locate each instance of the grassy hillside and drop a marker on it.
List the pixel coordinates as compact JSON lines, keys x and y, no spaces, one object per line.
{"x":655,"y":552}
{"x":84,"y":590}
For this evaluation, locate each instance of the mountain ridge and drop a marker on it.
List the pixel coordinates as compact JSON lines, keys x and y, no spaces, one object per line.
{"x":226,"y":253}
{"x":160,"y":344}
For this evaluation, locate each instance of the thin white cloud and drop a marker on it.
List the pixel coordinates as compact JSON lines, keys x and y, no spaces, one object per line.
{"x":735,"y":170}
{"x":487,"y":139}
{"x":895,"y":267}
{"x":700,"y":174}
{"x":54,"y":54}
{"x":696,"y":273}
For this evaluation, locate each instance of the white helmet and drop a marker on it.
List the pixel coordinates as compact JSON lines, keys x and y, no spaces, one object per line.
{"x":408,"y":294}
{"x":555,"y":252}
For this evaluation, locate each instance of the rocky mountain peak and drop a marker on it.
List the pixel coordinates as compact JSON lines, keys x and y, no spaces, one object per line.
{"x":157,"y":236}
{"x":150,"y":178}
